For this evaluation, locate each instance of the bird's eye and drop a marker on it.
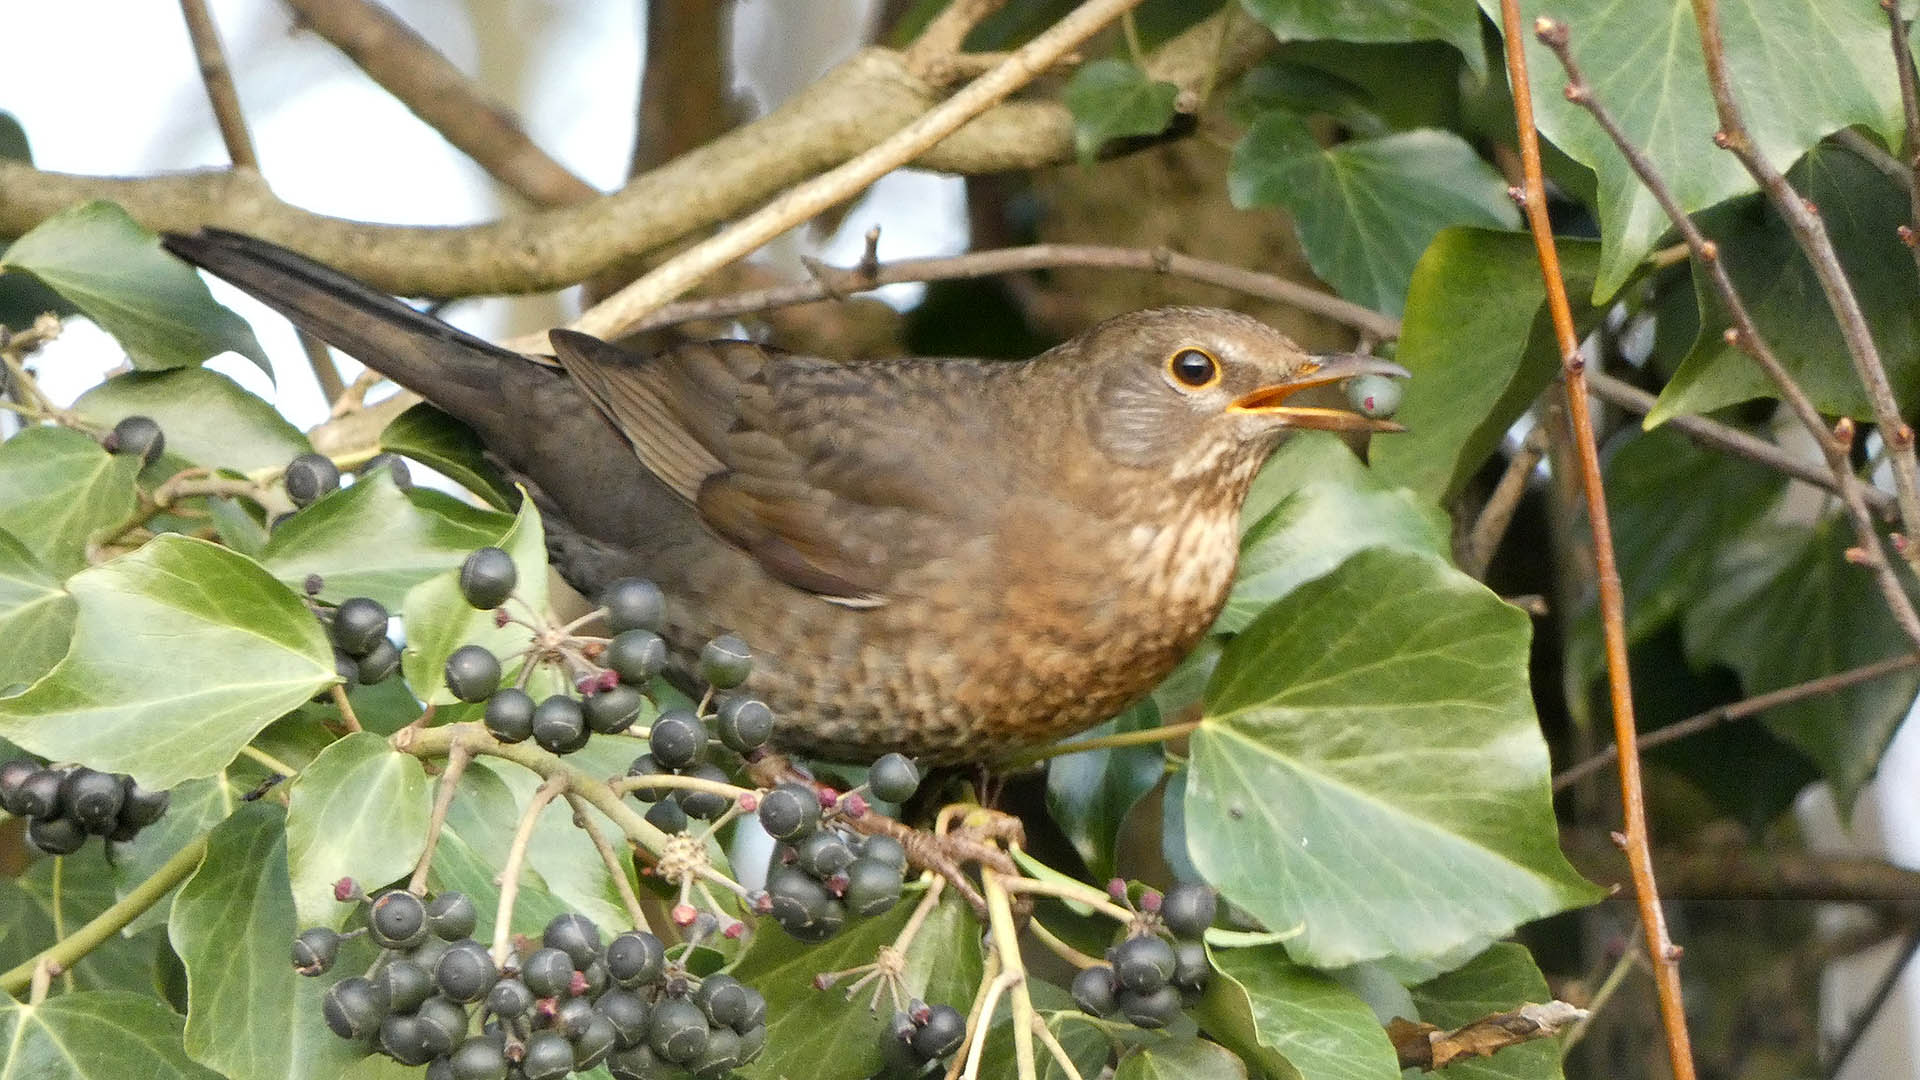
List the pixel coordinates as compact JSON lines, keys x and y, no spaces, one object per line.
{"x":1194,"y":369}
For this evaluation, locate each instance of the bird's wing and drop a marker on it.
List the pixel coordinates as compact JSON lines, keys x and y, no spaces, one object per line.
{"x":813,"y":468}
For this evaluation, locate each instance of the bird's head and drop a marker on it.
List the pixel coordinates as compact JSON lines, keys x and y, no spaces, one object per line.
{"x":1192,"y":389}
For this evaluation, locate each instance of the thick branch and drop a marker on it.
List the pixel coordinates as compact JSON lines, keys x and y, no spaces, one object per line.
{"x":431,"y":88}
{"x":848,"y":110}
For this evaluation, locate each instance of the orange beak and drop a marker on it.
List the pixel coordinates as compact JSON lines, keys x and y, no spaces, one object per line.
{"x":1320,"y":371}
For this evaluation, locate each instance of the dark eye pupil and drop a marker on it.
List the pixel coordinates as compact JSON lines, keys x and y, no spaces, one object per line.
{"x":1193,"y":367}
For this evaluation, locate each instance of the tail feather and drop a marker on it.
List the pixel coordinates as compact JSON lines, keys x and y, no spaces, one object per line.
{"x":456,"y":370}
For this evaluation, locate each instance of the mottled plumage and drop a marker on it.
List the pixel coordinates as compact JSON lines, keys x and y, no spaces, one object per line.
{"x":947,"y":558}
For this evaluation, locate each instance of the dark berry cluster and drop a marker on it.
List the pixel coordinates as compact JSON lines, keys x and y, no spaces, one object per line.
{"x":138,"y":436}
{"x":920,"y":1036}
{"x":64,"y":806}
{"x":823,"y":871}
{"x":565,"y":1005}
{"x":1147,"y":978}
{"x":362,"y":653}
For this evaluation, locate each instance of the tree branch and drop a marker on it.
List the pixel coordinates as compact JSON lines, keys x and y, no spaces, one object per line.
{"x":1736,"y":871}
{"x":851,"y":108}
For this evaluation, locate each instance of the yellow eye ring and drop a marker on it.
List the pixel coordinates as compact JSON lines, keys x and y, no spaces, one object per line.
{"x":1193,"y":369}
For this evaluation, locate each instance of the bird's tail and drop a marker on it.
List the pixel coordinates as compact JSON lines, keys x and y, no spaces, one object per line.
{"x":454,"y":369}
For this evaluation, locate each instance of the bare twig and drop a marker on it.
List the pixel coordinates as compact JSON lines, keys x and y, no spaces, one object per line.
{"x":1143,"y":737}
{"x":1494,"y":517}
{"x":610,"y":858}
{"x":1728,"y":440}
{"x":1613,"y":622}
{"x":1746,"y":336}
{"x":1910,"y":110}
{"x":1740,"y":710}
{"x":415,"y":73}
{"x":932,"y":54}
{"x":1876,"y":1002}
{"x":1810,"y":235}
{"x":687,"y":269}
{"x":516,"y":859}
{"x":347,"y":716}
{"x":1733,"y":871}
{"x":833,"y":283}
{"x":457,"y":759}
{"x":1630,"y":960}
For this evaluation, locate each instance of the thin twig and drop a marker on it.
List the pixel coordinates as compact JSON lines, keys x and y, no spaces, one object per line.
{"x":1006,"y":942}
{"x":932,"y":54}
{"x":1497,"y":514}
{"x":1666,"y":956}
{"x":1810,"y":236}
{"x":612,"y":860}
{"x":457,"y":759}
{"x":626,"y":785}
{"x":1740,"y":710}
{"x":828,"y":189}
{"x":347,"y":716}
{"x":976,"y":1050}
{"x":1060,"y":948}
{"x":1074,"y":892}
{"x":977,"y":1023}
{"x":1031,"y":257}
{"x":1052,"y":1043}
{"x":1143,"y":737}
{"x":516,"y":858}
{"x":1910,"y":110}
{"x":1869,"y":151}
{"x":1876,"y":1002}
{"x":58,"y":897}
{"x":1728,"y":440}
{"x":273,"y":764}
{"x":1623,"y":967}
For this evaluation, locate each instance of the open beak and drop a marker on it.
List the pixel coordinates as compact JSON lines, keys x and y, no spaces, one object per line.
{"x":1321,"y":371}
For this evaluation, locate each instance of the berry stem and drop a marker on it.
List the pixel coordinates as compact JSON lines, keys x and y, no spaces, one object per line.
{"x":627,"y":784}
{"x":1006,"y":942}
{"x":60,"y":916}
{"x":1060,"y":1058}
{"x":273,"y":764}
{"x":611,"y":858}
{"x":516,"y":859}
{"x":1074,"y":892}
{"x":1165,"y":733}
{"x":1060,"y":948}
{"x":347,"y":715}
{"x":457,"y":759}
{"x":68,"y":951}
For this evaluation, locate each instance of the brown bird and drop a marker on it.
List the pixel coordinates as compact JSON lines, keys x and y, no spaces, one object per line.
{"x":946,"y":558}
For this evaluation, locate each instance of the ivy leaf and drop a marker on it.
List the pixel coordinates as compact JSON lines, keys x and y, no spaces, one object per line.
{"x":36,"y":615}
{"x":440,"y":442}
{"x":1089,"y":793}
{"x":95,"y":1035}
{"x":124,"y":962}
{"x":359,"y":811}
{"x":1502,"y":978}
{"x":1367,"y":209}
{"x":1862,"y":211}
{"x":1642,"y":58}
{"x":1787,"y":607}
{"x":1181,"y":1060}
{"x":193,"y":807}
{"x":1450,"y":21}
{"x":439,"y":620}
{"x":154,"y":305}
{"x":208,"y":419}
{"x":1476,"y":365}
{"x":57,"y":489}
{"x":1336,"y":507}
{"x":1292,"y":1022}
{"x":817,"y":1034}
{"x":1411,"y":726}
{"x":372,"y":539}
{"x":1112,"y":99}
{"x":249,"y":1016}
{"x":182,"y":651}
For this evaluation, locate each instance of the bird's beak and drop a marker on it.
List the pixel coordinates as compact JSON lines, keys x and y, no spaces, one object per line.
{"x":1321,"y":371}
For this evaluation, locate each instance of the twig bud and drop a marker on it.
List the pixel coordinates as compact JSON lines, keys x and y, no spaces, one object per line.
{"x":1907,"y":235}
{"x":1709,"y":251}
{"x":1843,"y":432}
{"x":1722,"y":140}
{"x":1551,"y":32}
{"x":1859,"y":556}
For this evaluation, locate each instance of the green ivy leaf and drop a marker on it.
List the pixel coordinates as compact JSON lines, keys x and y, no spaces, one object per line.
{"x":1367,"y":209}
{"x":1862,"y":211}
{"x":819,"y":1034}
{"x":57,"y":489}
{"x":1642,"y":58}
{"x":182,"y":652}
{"x":1182,"y":1059}
{"x":1476,"y":365}
{"x":440,"y":442}
{"x":1112,"y":99}
{"x":1291,"y":1022}
{"x":1410,"y":726}
{"x":1451,"y":21}
{"x":208,"y":419}
{"x":36,"y":615}
{"x":1502,"y":978}
{"x":154,"y":305}
{"x":372,"y":539}
{"x":95,"y":1035}
{"x":1090,"y":793}
{"x":1787,"y":607}
{"x":439,"y":620}
{"x":193,"y":807}
{"x":1336,"y":508}
{"x":359,"y":811}
{"x":250,"y":1017}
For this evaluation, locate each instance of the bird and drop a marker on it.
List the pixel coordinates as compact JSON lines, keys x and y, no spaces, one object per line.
{"x":951,"y":559}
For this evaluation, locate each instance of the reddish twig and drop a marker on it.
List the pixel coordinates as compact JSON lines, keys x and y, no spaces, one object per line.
{"x":1910,"y":108}
{"x":1810,"y":235}
{"x":1665,"y":955}
{"x":1740,"y":710}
